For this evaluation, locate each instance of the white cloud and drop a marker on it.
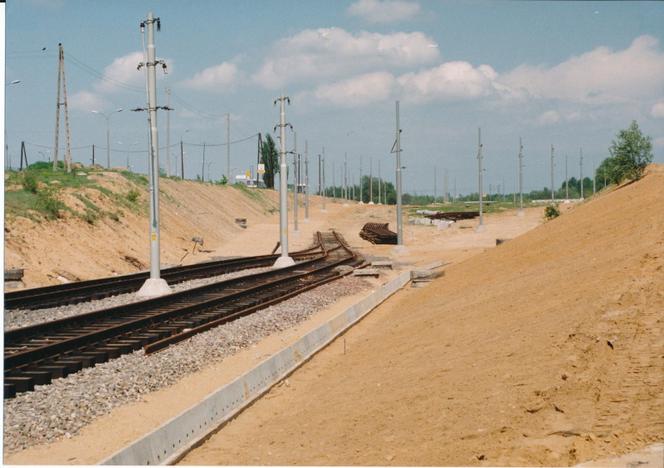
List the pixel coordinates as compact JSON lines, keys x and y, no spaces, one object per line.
{"x":218,"y":78}
{"x":329,"y":53}
{"x":657,"y":110}
{"x":449,"y":81}
{"x":548,"y":118}
{"x":123,"y":72}
{"x":384,"y":11}
{"x":87,"y":101}
{"x":357,"y":91}
{"x":600,"y":76}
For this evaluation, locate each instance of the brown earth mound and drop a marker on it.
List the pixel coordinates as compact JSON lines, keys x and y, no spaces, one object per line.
{"x":547,"y":350}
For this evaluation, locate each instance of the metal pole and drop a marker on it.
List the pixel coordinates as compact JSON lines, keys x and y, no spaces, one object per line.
{"x":203,"y":168}
{"x":168,"y":133}
{"x":446,"y":197}
{"x":306,"y":180}
{"x":324,"y":196}
{"x":566,"y":180}
{"x":346,"y":176}
{"x":371,"y":181}
{"x":334,"y":182}
{"x":181,"y":160}
{"x":284,"y":260}
{"x":93,"y":154}
{"x":553,"y":196}
{"x":320,"y":180}
{"x":479,"y":175}
{"x":108,"y":141}
{"x":520,"y":176}
{"x":361,"y":196}
{"x":581,"y":170}
{"x":228,"y":147}
{"x":296,"y":181}
{"x":154,"y":286}
{"x":398,"y":158}
{"x":379,"y":182}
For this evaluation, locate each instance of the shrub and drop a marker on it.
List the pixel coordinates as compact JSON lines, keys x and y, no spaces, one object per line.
{"x":133,"y":195}
{"x":551,"y":212}
{"x":29,"y":182}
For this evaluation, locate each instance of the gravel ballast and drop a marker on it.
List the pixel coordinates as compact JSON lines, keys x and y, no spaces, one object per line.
{"x":64,"y":407}
{"x":18,"y":318}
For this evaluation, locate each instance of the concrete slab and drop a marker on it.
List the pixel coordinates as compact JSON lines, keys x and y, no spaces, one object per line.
{"x":169,"y":442}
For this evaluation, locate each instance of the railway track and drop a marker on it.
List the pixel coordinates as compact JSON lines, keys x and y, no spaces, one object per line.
{"x":82,"y":291}
{"x":37,"y":354}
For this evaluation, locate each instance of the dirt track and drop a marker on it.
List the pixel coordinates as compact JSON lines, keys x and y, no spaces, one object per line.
{"x":544,"y":351}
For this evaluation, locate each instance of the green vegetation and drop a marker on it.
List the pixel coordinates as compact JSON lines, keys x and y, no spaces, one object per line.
{"x":36,"y":193}
{"x":551,"y":211}
{"x":270,"y":158}
{"x":630,"y":152}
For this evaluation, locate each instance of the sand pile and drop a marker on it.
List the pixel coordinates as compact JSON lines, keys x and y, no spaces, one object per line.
{"x":547,"y":350}
{"x":70,"y":249}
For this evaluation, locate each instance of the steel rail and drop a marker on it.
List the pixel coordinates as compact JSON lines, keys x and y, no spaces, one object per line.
{"x":54,"y":349}
{"x":81,"y":291}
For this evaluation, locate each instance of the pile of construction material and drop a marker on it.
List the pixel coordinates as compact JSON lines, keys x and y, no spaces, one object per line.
{"x":378,"y":233}
{"x":449,"y":215}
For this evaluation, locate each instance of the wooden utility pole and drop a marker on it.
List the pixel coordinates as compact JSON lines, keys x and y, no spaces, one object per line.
{"x":62,"y":85}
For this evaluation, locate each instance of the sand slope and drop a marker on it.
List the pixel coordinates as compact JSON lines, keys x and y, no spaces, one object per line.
{"x":548,"y":350}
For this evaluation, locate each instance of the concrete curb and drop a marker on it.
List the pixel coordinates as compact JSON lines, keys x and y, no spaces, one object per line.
{"x":168,"y":443}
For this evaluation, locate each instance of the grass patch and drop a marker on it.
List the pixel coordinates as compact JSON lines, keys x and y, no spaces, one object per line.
{"x":138,"y":179}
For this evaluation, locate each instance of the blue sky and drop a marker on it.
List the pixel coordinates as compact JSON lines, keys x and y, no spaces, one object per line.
{"x":569,"y":74}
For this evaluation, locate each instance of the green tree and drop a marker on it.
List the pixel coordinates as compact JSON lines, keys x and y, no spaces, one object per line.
{"x":270,"y":158}
{"x":631,"y":152}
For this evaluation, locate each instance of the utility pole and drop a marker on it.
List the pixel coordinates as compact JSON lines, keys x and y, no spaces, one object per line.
{"x":258,"y":155}
{"x":228,"y":146}
{"x":435,"y":176}
{"x":379,"y":183}
{"x":320,"y":180}
{"x":455,"y":191}
{"x":553,"y":196}
{"x":346,"y":176}
{"x":284,"y":260}
{"x":62,"y":84}
{"x":361,"y":196}
{"x":334,"y":182}
{"x":371,"y":181}
{"x":181,"y":160}
{"x":520,"y":177}
{"x":296,"y":181}
{"x":324,"y":196}
{"x":93,"y":154}
{"x":153,"y":286}
{"x":581,"y":170}
{"x":479,"y":176}
{"x":168,"y":132}
{"x":306,"y":181}
{"x":203,"y":168}
{"x":446,"y":197}
{"x":566,"y":180}
{"x":398,"y":177}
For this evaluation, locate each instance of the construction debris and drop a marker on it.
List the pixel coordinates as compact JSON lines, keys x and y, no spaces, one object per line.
{"x":382,"y":264}
{"x":452,"y":215}
{"x":378,"y":233}
{"x":367,"y":272}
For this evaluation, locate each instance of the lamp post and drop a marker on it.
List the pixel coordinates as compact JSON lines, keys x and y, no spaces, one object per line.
{"x":108,"y":133}
{"x":13,"y":82}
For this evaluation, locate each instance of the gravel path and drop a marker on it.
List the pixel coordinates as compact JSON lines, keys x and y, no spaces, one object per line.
{"x":24,"y":317}
{"x":64,"y":407}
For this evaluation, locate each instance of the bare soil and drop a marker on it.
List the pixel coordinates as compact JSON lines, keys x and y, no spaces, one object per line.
{"x":209,"y":211}
{"x":547,"y":350}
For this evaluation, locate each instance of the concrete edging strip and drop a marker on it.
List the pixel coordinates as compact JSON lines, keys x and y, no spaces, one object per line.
{"x":169,"y":442}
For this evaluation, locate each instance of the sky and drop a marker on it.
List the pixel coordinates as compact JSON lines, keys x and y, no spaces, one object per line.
{"x":567,"y":74}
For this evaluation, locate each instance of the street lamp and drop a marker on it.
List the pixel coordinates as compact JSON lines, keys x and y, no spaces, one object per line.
{"x":108,"y":133}
{"x":7,"y":85}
